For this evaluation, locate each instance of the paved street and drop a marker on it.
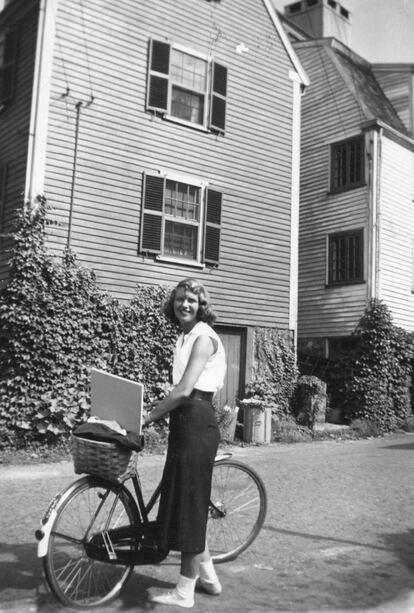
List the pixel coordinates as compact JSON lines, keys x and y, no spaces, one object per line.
{"x":339,"y":534}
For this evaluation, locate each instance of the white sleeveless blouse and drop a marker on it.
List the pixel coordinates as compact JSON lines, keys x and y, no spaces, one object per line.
{"x":212,"y":377}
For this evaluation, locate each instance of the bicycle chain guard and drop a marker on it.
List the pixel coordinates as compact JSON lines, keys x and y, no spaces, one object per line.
{"x":130,"y":545}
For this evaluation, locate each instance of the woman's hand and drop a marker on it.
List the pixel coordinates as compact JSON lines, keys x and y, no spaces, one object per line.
{"x":146,"y":418}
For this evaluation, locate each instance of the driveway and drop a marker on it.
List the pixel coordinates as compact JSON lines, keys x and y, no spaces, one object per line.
{"x":338,"y":537}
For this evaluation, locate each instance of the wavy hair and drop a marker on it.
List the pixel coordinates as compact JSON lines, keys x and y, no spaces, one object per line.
{"x":205,"y":311}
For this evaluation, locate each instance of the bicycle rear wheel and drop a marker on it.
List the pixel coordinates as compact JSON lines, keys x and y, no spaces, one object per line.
{"x":238,"y":505}
{"x":93,"y":507}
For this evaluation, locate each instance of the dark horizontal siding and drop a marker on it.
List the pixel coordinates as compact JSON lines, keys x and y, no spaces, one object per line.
{"x":14,"y":124}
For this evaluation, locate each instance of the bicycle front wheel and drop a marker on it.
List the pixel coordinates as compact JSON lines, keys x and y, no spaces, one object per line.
{"x":93,"y":508}
{"x":238,"y":505}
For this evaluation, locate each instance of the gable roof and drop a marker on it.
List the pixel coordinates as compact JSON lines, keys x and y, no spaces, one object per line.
{"x":361,"y":82}
{"x":357,"y":73}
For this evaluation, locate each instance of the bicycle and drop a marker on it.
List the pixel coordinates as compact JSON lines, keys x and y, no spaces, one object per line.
{"x":95,"y":531}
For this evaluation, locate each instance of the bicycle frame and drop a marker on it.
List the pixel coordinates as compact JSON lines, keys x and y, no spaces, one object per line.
{"x":44,"y":532}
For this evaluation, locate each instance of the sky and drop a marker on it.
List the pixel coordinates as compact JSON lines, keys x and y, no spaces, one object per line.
{"x":382,"y":30}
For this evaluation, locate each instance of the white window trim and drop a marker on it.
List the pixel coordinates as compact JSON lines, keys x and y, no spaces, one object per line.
{"x":202,"y":185}
{"x":209,"y":60}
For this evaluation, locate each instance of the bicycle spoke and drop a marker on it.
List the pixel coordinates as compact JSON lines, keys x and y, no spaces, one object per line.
{"x":238,"y":506}
{"x":91,"y":511}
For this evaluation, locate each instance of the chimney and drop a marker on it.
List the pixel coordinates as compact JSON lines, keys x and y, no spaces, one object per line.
{"x":321,"y":18}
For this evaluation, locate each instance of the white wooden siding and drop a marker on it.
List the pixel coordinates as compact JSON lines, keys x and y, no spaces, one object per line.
{"x":329,"y":115}
{"x":105,"y":53}
{"x":397,"y":231}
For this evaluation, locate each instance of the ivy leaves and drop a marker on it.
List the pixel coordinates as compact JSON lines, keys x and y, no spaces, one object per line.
{"x":378,"y":370}
{"x":55,"y":324}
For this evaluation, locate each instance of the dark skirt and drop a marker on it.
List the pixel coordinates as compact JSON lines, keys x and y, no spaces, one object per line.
{"x":186,"y":480}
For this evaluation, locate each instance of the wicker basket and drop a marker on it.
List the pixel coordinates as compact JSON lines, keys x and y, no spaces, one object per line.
{"x":105,"y":460}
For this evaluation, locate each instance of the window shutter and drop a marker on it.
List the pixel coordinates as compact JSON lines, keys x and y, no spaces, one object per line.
{"x":218,"y":98}
{"x":3,"y":179}
{"x":212,"y":227}
{"x":152,"y":212}
{"x":158,"y":69}
{"x":8,"y":67}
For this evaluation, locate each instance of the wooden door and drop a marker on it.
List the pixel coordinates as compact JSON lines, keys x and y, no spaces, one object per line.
{"x":234,"y":342}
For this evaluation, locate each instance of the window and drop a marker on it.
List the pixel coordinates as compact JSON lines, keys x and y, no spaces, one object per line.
{"x":180,"y":220}
{"x":347,"y":164}
{"x":345,"y":260}
{"x":186,"y":87}
{"x":8,"y":46}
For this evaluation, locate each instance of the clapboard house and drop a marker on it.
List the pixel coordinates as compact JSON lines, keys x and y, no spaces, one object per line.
{"x":356,"y":231}
{"x":165,"y":136}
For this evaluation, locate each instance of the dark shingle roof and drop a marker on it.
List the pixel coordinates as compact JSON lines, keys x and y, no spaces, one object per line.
{"x":367,"y":91}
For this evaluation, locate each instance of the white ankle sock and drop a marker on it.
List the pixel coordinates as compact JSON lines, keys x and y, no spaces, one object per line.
{"x":185,"y":586}
{"x":207,"y":571}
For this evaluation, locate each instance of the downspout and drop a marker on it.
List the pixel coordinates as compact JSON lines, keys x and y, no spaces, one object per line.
{"x":36,"y":146}
{"x":75,"y":160}
{"x":374,"y":274}
{"x":295,"y":191}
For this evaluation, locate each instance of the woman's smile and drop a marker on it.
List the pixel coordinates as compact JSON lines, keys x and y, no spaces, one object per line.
{"x":186,"y":305}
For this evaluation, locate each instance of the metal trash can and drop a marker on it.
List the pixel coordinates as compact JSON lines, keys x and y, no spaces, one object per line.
{"x":257,"y":421}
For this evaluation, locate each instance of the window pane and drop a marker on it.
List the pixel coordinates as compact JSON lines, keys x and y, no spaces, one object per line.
{"x":188,"y":71}
{"x":355,"y":163}
{"x":187,"y":105}
{"x":180,"y":240}
{"x":347,"y":164}
{"x":345,"y":264}
{"x":182,"y":200}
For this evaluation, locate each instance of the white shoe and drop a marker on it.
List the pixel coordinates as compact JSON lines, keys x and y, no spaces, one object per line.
{"x":211,"y":587}
{"x":174,"y":598}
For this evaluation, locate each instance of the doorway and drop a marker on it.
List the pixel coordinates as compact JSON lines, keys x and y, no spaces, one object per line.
{"x":234,"y":342}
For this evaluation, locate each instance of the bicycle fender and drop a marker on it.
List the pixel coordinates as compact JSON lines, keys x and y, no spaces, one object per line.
{"x":222,"y":456}
{"x":48,"y":519}
{"x":44,"y":534}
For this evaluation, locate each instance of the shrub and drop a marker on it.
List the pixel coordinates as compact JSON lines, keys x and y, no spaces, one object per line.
{"x":378,"y":371}
{"x":364,"y":428}
{"x":286,"y":430}
{"x":309,"y":401}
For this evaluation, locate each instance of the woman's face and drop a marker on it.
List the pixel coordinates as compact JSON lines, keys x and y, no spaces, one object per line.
{"x":186,"y":305}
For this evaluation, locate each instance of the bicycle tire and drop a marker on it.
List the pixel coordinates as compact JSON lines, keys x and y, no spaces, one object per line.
{"x":238,"y":506}
{"x":74,"y":578}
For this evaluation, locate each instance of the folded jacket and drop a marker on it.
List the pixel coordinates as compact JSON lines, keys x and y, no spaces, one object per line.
{"x":100,"y":432}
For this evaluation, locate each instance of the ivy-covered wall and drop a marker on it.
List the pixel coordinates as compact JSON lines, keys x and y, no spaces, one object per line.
{"x":55,"y":324}
{"x":275,"y":371}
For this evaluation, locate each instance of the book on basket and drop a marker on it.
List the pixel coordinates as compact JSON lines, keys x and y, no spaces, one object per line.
{"x":117,"y":399}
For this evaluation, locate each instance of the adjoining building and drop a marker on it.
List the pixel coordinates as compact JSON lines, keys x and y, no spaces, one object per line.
{"x":356,"y":230}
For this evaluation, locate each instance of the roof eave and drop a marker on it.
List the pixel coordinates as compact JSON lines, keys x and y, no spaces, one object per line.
{"x":379,"y":124}
{"x":287,"y":44}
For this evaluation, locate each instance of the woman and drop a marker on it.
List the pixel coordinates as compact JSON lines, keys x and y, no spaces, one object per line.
{"x":198,"y":372}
